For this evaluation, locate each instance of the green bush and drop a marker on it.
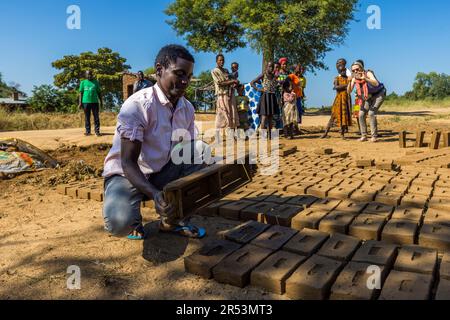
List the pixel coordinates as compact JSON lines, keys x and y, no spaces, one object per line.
{"x":46,"y":98}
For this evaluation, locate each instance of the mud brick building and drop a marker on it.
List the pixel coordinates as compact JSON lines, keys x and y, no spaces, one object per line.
{"x":128,"y":80}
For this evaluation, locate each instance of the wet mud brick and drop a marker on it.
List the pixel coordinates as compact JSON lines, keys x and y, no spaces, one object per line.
{"x":280,"y":197}
{"x":402,"y":139}
{"x":239,"y":194}
{"x":408,"y":213}
{"x":306,"y":242}
{"x":309,"y":218}
{"x":402,"y":180}
{"x":236,"y":268}
{"x":274,"y":237}
{"x":232,"y":209}
{"x":381,"y":178}
{"x":282,"y":215}
{"x":401,"y":285}
{"x":304,"y":201}
{"x":446,"y":136}
{"x":436,"y":216}
{"x":323,"y":151}
{"x":419,"y":190}
{"x":376,"y":252}
{"x":213,"y":209}
{"x":367,"y":227}
{"x":385,"y":164}
{"x":62,"y":188}
{"x":441,"y":192}
{"x":414,"y":201}
{"x":351,"y":284}
{"x":435,"y":139}
{"x":272,"y":273}
{"x":443,"y":183}
{"x":339,"y":247}
{"x":313,"y":279}
{"x":444,"y":270}
{"x":85,"y":193}
{"x":400,"y":231}
{"x":420,"y":136}
{"x":389,"y":198}
{"x":439,"y":203}
{"x":416,"y":259}
{"x":443,"y":290}
{"x":363,"y":176}
{"x":435,"y":236}
{"x":321,"y":189}
{"x":340,"y":192}
{"x":202,"y":261}
{"x":396,"y":188}
{"x":424,"y":182}
{"x":379,"y":209}
{"x":337,"y":222}
{"x":260,"y":195}
{"x":97,"y":195}
{"x":351,"y":206}
{"x":256,"y":211}
{"x":245,"y":232}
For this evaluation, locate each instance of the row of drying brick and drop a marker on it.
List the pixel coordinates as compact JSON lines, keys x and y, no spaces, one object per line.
{"x":311,"y":264}
{"x":367,"y":221}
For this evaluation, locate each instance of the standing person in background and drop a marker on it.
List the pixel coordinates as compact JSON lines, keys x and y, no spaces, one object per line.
{"x":299,"y":83}
{"x":90,"y":100}
{"x":290,"y":113}
{"x":227,"y":117}
{"x":371,"y":94}
{"x":341,"y":110}
{"x":282,"y":75}
{"x":141,"y":83}
{"x":268,"y":104}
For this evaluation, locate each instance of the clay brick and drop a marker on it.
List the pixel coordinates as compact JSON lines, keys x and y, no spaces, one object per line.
{"x":303,"y":200}
{"x":337,"y":222}
{"x":376,"y":252}
{"x":379,"y":209}
{"x":84,"y":193}
{"x":437,"y":216}
{"x":411,"y":173}
{"x":382,"y":178}
{"x":62,"y":188}
{"x":282,"y":215}
{"x":396,"y":188}
{"x":321,"y":189}
{"x":300,"y":188}
{"x":313,"y":279}
{"x":418,"y":190}
{"x":365,"y":162}
{"x":326,"y":204}
{"x":280,"y":197}
{"x":402,"y":139}
{"x":443,"y":182}
{"x":417,"y":259}
{"x":341,"y":192}
{"x":306,"y":242}
{"x":364,"y":195}
{"x":363,"y":176}
{"x":414,"y":201}
{"x":245,"y":232}
{"x":351,"y":284}
{"x":435,"y":140}
{"x":373,"y":185}
{"x":420,"y":136}
{"x":348,"y":173}
{"x":256,"y":211}
{"x":389,"y":198}
{"x":212,"y":209}
{"x":72,"y":191}
{"x":309,"y":218}
{"x":274,"y":237}
{"x":233,"y":209}
{"x":408,"y":213}
{"x":439,"y":203}
{"x":97,"y":195}
{"x":440,"y":192}
{"x":260,"y":195}
{"x":236,"y":268}
{"x":406,"y":286}
{"x":443,"y":290}
{"x":323,"y":151}
{"x":202,"y":261}
{"x":444,"y":270}
{"x":402,"y":180}
{"x":400,"y":231}
{"x":240,"y":194}
{"x":339,"y":247}
{"x":273,"y":272}
{"x":435,"y":236}
{"x":367,"y":227}
{"x":426,"y":179}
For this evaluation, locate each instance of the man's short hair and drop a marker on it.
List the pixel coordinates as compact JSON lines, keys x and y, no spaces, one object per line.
{"x":220,"y":55}
{"x":170,"y":53}
{"x":235,"y":63}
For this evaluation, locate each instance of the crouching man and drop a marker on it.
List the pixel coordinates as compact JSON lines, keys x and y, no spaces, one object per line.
{"x":139,"y":163}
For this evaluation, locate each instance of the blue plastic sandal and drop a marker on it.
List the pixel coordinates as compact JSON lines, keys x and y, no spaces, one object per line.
{"x":139,"y":229}
{"x":197,"y":231}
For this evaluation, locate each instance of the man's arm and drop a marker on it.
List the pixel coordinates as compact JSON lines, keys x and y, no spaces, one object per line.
{"x":135,"y":87}
{"x":130,"y":151}
{"x":80,"y":98}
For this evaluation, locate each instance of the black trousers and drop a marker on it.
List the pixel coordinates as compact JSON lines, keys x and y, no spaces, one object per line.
{"x":94,"y":108}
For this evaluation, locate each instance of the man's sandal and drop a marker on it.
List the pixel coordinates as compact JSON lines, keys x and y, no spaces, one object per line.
{"x":140,"y":234}
{"x":189,"y":231}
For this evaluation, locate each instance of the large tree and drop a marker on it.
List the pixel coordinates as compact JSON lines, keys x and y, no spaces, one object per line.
{"x":303,"y":30}
{"x":106,"y":65}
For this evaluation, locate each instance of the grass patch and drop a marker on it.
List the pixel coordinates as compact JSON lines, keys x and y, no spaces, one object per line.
{"x":401,"y":104}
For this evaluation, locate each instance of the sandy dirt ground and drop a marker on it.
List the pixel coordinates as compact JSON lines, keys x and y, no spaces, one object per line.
{"x":43,"y":232}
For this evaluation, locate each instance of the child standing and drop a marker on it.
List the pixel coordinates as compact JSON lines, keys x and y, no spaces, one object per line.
{"x":299,"y":83}
{"x":268,"y":105}
{"x":290,"y":113}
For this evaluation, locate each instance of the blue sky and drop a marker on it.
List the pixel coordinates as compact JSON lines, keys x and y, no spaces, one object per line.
{"x":414,"y":37}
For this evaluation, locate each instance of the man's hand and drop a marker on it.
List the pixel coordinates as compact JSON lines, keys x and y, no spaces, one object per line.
{"x":162,"y":207}
{"x":80,"y":106}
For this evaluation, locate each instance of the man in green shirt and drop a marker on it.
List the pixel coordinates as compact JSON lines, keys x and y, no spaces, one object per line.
{"x":91,"y":100}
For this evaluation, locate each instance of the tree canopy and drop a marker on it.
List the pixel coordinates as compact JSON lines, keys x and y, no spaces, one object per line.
{"x":46,"y":98}
{"x":301,"y":30}
{"x":106,"y":65}
{"x":433,"y":86}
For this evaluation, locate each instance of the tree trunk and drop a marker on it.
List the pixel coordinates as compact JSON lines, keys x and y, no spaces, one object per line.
{"x":268,"y":55}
